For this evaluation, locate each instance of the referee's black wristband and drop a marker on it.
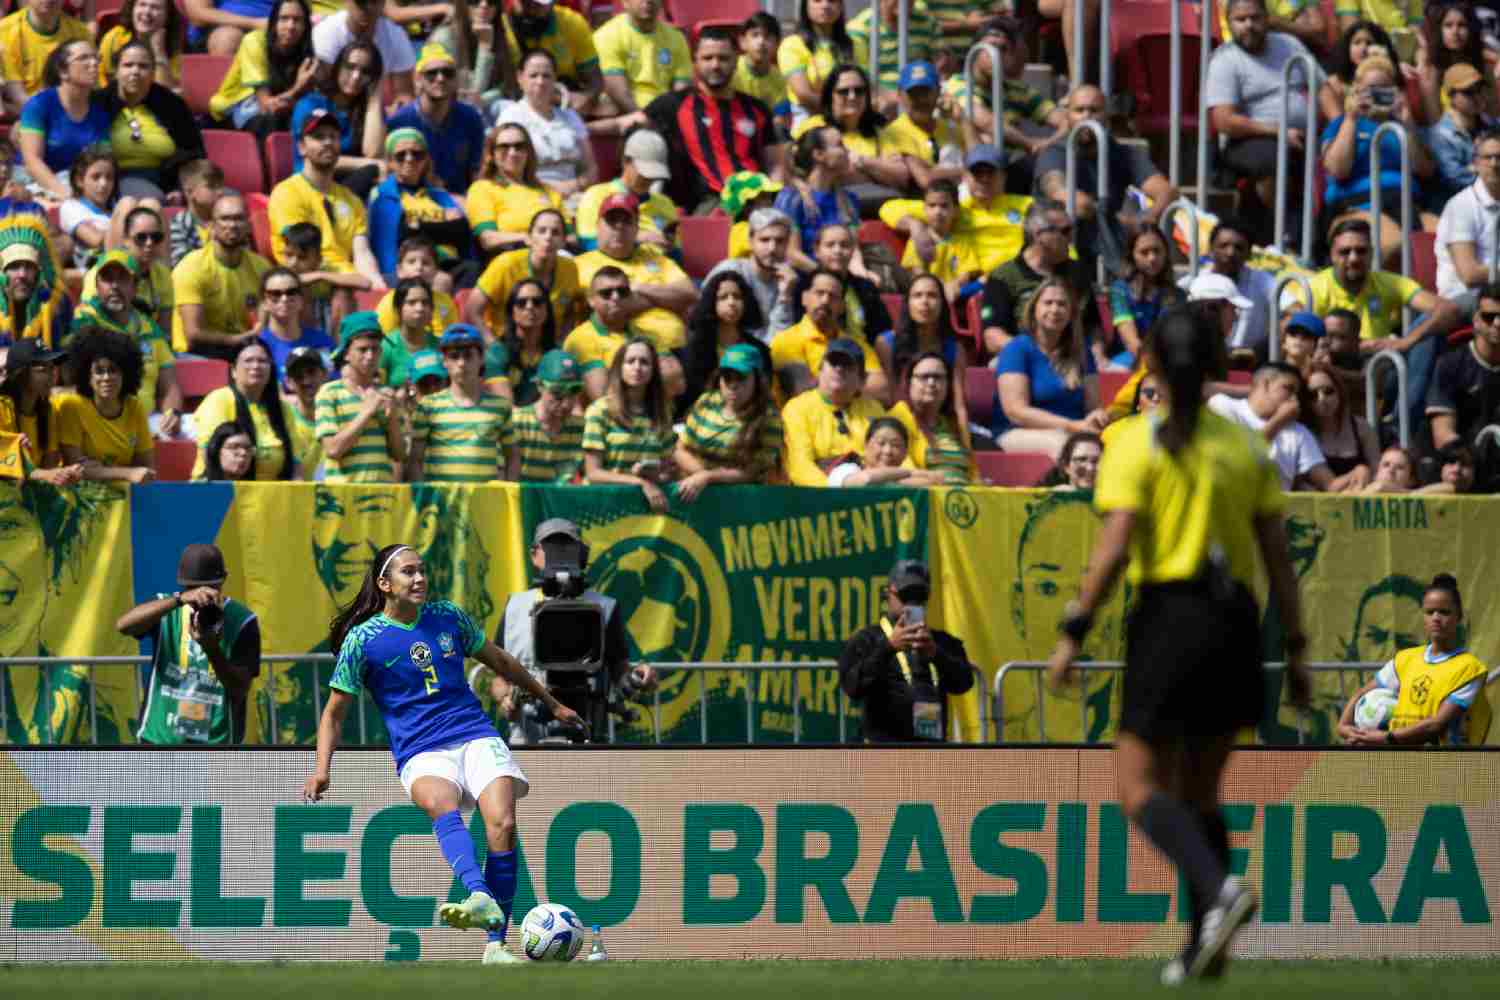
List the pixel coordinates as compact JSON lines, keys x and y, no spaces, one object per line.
{"x":1075,"y":625}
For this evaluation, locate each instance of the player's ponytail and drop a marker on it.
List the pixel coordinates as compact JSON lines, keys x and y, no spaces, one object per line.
{"x":368,"y":603}
{"x":1448,"y":584}
{"x":1189,"y":350}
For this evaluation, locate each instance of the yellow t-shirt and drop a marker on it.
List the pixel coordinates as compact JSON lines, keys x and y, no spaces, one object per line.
{"x":229,"y":295}
{"x":339,"y":214}
{"x":805,"y":344}
{"x":653,"y":62}
{"x":647,"y":266}
{"x":507,"y":208}
{"x":739,"y":240}
{"x":884,"y":143}
{"x":112,"y":442}
{"x":910,"y":138}
{"x":1378,"y":303}
{"x":29,"y":426}
{"x":948,"y":452}
{"x":996,"y":230}
{"x":658,"y":214}
{"x":1206,"y":496}
{"x":250,"y":70}
{"x":1424,"y":686}
{"x":793,"y":57}
{"x":24,"y":49}
{"x":814,"y":438}
{"x":140,"y":141}
{"x":218,"y":408}
{"x":593,"y":346}
{"x":568,"y":38}
{"x":1389,"y":14}
{"x":768,"y":87}
{"x":109,"y":50}
{"x":509,"y":269}
{"x":444,"y":312}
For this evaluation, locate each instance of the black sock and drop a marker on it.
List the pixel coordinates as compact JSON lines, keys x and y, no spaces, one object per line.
{"x":1175,"y":830}
{"x":1217,"y":832}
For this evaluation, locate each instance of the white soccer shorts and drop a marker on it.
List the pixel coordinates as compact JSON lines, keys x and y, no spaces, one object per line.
{"x":471,"y":766}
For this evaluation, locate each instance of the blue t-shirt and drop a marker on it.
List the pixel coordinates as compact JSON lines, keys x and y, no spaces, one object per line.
{"x":836,"y":206}
{"x":1355,"y":192}
{"x":415,"y":674}
{"x":63,"y":138}
{"x":385,"y":219}
{"x":1022,"y":356}
{"x":281,"y":350}
{"x":306,"y":106}
{"x":456,"y":148}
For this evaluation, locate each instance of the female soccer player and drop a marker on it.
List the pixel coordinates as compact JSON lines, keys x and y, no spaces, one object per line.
{"x":410,"y":654}
{"x":1187,"y":499}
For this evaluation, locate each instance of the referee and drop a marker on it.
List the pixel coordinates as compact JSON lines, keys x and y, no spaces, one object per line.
{"x":1187,"y":498}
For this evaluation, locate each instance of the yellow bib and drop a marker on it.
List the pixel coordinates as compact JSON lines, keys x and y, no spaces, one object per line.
{"x":1425,"y":686}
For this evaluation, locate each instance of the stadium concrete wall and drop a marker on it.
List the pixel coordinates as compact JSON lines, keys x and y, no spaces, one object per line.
{"x":895,"y":853}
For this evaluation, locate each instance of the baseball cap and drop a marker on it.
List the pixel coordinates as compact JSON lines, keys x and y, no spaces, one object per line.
{"x":559,"y":370}
{"x":648,"y":151}
{"x":427,"y":363}
{"x":119,"y":257}
{"x":432,"y":55}
{"x":302,"y":357}
{"x":1210,"y":285}
{"x":462,"y":335}
{"x":1306,"y":321}
{"x":983,"y":153}
{"x":620,"y":202}
{"x":1461,"y":76}
{"x":201,"y":565}
{"x":364,"y":323}
{"x":554,"y":526}
{"x":845,"y":347}
{"x":29,"y":351}
{"x":918,"y":74}
{"x":740,"y":358}
{"x":19,"y":252}
{"x":319,"y":116}
{"x":743,"y":187}
{"x":909,"y":574}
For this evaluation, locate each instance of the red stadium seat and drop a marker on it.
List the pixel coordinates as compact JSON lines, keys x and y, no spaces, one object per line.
{"x":1141,"y":43}
{"x":1110,"y":384}
{"x":1424,"y":260}
{"x":201,"y":76}
{"x":460,"y":300}
{"x":175,"y":460}
{"x":259,"y":207}
{"x":975,"y":325}
{"x":1012,"y":468}
{"x":1237,"y":377}
{"x":697,"y":27}
{"x":238,"y":155}
{"x":979,"y":394}
{"x":102,"y":7}
{"x":705,"y":242}
{"x":278,"y":158}
{"x":875,"y":231}
{"x":606,"y":155}
{"x":369,"y":298}
{"x":895,"y":305}
{"x":197,"y":377}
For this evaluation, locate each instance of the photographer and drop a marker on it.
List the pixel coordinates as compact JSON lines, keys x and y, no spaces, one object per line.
{"x":560,"y":558}
{"x":902,"y":670}
{"x":206,"y":653}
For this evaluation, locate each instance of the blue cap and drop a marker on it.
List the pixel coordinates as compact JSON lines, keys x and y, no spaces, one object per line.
{"x":1308,"y":321}
{"x":845,"y":347}
{"x":983,"y":153}
{"x":919,"y":74}
{"x":462,"y":335}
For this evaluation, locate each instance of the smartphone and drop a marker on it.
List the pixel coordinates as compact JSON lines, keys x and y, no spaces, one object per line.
{"x":914,"y":614}
{"x":1383,"y":97}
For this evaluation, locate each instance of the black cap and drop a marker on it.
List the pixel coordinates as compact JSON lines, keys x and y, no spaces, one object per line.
{"x":29,"y":351}
{"x":301,"y":357}
{"x":201,"y":565}
{"x":846,"y":347}
{"x":910,"y":574}
{"x":553,"y":527}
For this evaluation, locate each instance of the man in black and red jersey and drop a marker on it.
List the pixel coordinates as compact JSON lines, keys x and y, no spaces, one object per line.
{"x":712,"y":130}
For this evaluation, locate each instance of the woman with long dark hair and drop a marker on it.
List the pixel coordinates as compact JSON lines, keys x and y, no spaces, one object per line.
{"x":409,"y":654}
{"x":252,"y":401}
{"x":229,"y":455}
{"x":102,"y":426}
{"x":506,"y":197}
{"x":1188,"y":500}
{"x":627,"y":432}
{"x":158,"y":23}
{"x":936,"y":423}
{"x":1360,"y":39}
{"x":810,"y":53}
{"x":540,"y":259}
{"x":1139,"y":295}
{"x":877,"y":168}
{"x":1348,"y":443}
{"x":26,"y":409}
{"x":530,"y":332}
{"x":152,"y":130}
{"x":734,"y":432}
{"x":57,"y":123}
{"x":926,"y":326}
{"x":724,"y":315}
{"x":1077,"y":465}
{"x":272,"y":69}
{"x":1450,"y":35}
{"x":351,"y":93}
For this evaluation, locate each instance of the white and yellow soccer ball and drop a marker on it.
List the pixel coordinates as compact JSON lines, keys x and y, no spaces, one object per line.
{"x":551,"y":933}
{"x":1374,"y":709}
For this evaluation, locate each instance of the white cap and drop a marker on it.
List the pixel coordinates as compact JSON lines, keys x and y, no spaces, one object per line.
{"x":648,"y":152}
{"x":1210,"y":286}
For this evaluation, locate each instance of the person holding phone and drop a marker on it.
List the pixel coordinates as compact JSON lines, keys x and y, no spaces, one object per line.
{"x":900,"y":669}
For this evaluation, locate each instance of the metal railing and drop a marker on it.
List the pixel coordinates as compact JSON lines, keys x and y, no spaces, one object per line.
{"x":319,"y":659}
{"x":902,"y":34}
{"x":1204,"y":39}
{"x":1485,"y":433}
{"x":1080,"y":55}
{"x":1376,"y":199}
{"x":1283,"y":146}
{"x":1174,"y":103}
{"x":997,"y":94}
{"x":1165,"y":222}
{"x":1372,"y":409}
{"x":1275,"y":318}
{"x":1495,"y":250}
{"x":1101,"y":182}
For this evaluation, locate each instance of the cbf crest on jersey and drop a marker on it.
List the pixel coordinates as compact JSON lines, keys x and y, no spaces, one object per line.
{"x":445,"y":642}
{"x":421,"y":653}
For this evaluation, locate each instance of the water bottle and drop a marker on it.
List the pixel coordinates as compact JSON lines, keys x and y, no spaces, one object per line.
{"x":596,"y":950}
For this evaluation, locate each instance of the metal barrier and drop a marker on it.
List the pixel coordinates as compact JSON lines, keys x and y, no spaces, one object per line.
{"x":318,"y":659}
{"x":1275,"y":332}
{"x":1376,"y":198}
{"x":1038,"y":667}
{"x":997,"y":93}
{"x":1174,"y":103}
{"x":1372,"y":415}
{"x":902,"y":32}
{"x":1485,"y":433}
{"x":1495,"y":251}
{"x":1165,"y":222}
{"x":1205,"y":35}
{"x":1283,"y":145}
{"x":1101,"y":182}
{"x":1080,"y":70}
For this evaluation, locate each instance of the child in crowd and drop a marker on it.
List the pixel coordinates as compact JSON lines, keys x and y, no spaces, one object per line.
{"x":323,"y":305}
{"x":955,"y":257}
{"x":757,"y":74}
{"x":417,"y":258}
{"x":202,"y":182}
{"x":94,"y":218}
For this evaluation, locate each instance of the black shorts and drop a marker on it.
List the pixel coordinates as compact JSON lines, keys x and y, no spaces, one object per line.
{"x":1192,"y":664}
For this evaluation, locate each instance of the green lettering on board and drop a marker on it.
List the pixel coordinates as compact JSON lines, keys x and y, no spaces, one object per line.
{"x":208,"y":907}
{"x":64,"y":869}
{"x":915,"y":826}
{"x":1116,"y":903}
{"x":616,"y":823}
{"x":1322,"y":870}
{"x":1072,"y":860}
{"x":994,"y":857}
{"x":124,"y":866}
{"x":375,"y":848}
{"x":296,"y":866}
{"x":739,"y":861}
{"x":1276,"y":865}
{"x":1443,"y":829}
{"x":795,"y":871}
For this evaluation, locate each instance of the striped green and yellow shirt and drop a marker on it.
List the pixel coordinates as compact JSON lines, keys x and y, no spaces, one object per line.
{"x":953,"y":10}
{"x":624,"y":446}
{"x":546,"y":459}
{"x":1023,"y":102}
{"x":368,"y":461}
{"x":464,"y":443}
{"x":921,"y":42}
{"x":712,"y":429}
{"x":946,"y":451}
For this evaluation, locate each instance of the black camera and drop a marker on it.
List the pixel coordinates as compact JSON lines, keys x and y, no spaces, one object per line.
{"x":209,"y":619}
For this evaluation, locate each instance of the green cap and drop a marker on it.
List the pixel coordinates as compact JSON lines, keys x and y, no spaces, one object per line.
{"x":425,"y":363}
{"x":740,"y":358}
{"x":364,"y":323}
{"x":559,"y":369}
{"x":118,"y":257}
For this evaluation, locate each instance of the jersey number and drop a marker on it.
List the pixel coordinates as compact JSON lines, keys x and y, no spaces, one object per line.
{"x":429,"y":672}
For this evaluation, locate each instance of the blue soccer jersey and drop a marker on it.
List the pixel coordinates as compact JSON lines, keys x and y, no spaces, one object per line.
{"x":415,"y":673}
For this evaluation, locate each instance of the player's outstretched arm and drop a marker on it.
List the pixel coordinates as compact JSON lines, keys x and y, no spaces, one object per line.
{"x":329,"y":727}
{"x":510,"y":668}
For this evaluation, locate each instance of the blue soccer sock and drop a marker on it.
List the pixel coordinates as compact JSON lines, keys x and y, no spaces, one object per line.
{"x":500,"y":876}
{"x":458,"y":847}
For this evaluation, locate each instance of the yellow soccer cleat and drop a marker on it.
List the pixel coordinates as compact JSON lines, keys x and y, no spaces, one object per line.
{"x":479,"y":911}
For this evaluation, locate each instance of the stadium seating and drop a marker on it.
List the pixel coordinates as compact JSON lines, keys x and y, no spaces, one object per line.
{"x":705,"y":242}
{"x":369,"y":298}
{"x":175,"y":460}
{"x":1424,"y":259}
{"x":875,"y":231}
{"x":197,"y":377}
{"x":606,"y":155}
{"x":1013,"y":468}
{"x":258,"y":206}
{"x":278,"y":158}
{"x":238,"y":155}
{"x":201,"y":76}
{"x":979,"y":394}
{"x":1110,"y":384}
{"x":1141,"y":41}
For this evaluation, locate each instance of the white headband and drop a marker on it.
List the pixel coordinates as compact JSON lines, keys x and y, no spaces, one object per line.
{"x":387,"y":564}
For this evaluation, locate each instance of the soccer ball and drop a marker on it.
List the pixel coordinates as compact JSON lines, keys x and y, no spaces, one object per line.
{"x":1374,"y":708}
{"x":551,"y":933}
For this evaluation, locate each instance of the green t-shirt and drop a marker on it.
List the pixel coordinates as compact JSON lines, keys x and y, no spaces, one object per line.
{"x":185,"y":703}
{"x":395,"y":357}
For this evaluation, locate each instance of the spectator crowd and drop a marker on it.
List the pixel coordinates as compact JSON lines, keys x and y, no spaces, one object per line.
{"x":521,"y":240}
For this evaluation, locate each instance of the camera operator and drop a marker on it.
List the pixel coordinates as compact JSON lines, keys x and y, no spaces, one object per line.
{"x":206,"y":653}
{"x":560,"y":558}
{"x":900,"y":668}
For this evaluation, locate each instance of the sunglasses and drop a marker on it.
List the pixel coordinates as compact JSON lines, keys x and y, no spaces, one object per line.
{"x":1473,"y":91}
{"x":928,"y":377}
{"x":849,"y":92}
{"x":445,"y":73}
{"x":530,"y":302}
{"x":613,"y":292}
{"x":1488,"y":318}
{"x":510,"y":147}
{"x":409,"y":156}
{"x":277,"y":294}
{"x":147,"y":239}
{"x":1151,"y":394}
{"x":841,"y":421}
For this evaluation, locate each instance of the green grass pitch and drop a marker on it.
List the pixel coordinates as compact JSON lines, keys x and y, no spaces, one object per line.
{"x":760,"y":980}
